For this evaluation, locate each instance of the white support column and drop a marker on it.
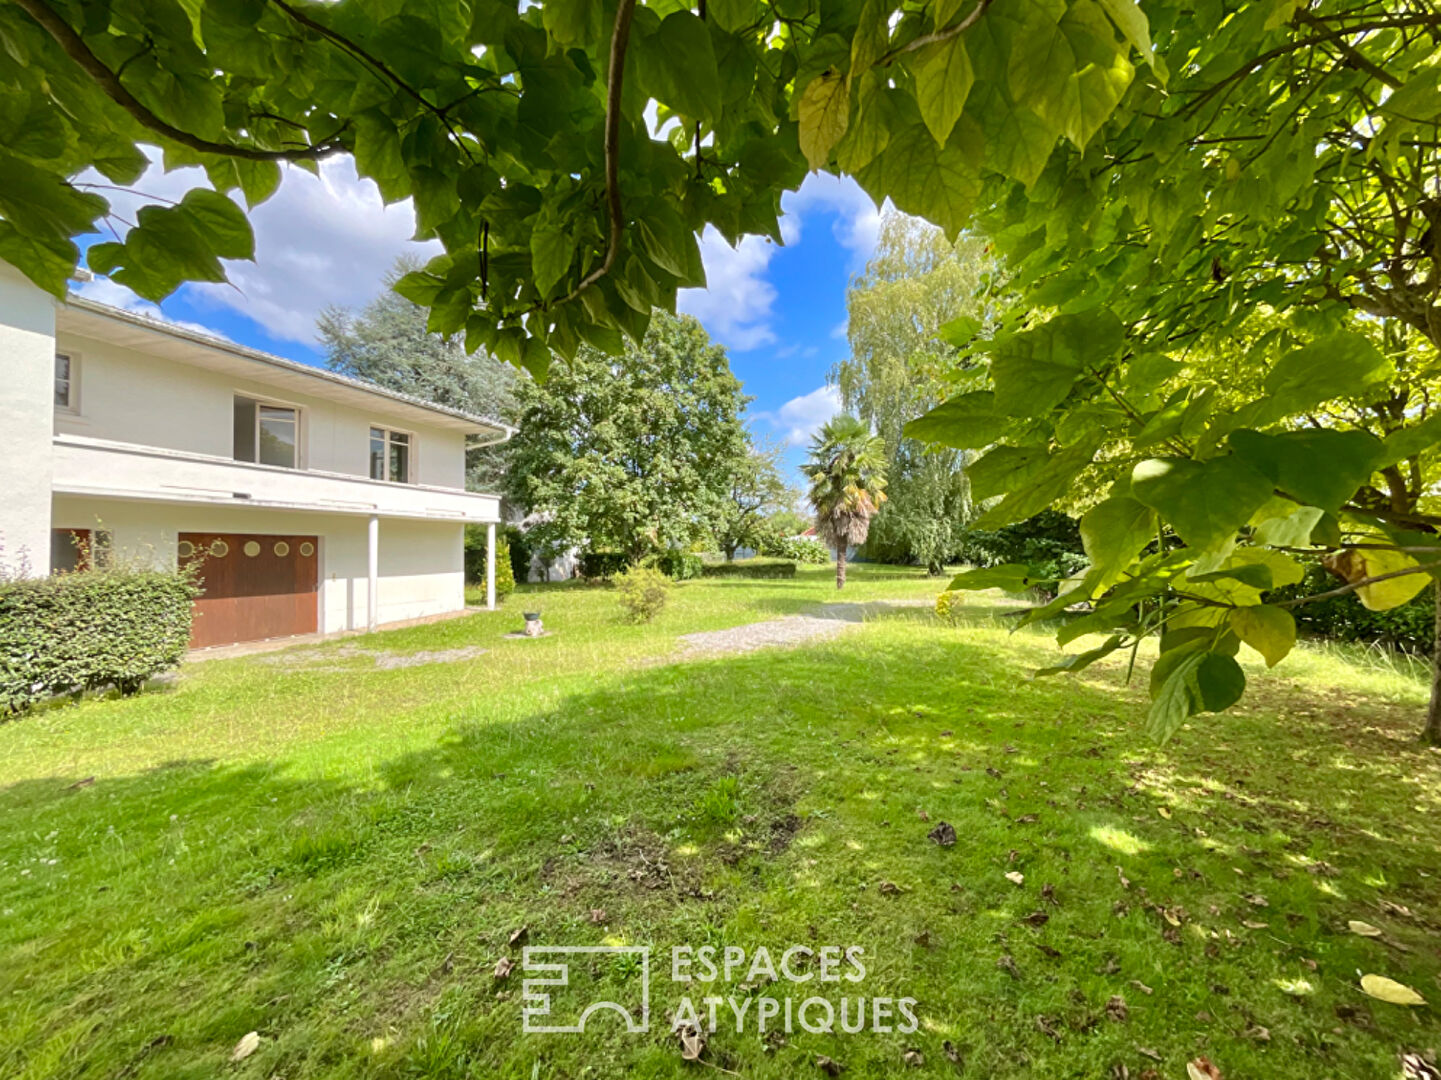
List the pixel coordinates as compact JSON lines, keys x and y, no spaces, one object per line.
{"x":27,"y":411}
{"x":372,"y":591}
{"x":490,"y":567}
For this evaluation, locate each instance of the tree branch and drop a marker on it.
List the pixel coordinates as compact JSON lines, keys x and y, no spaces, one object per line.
{"x":937,"y":37}
{"x":74,"y":47}
{"x":615,"y":77}
{"x":1361,"y":583}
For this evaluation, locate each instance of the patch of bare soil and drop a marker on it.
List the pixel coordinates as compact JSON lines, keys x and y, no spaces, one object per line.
{"x":823,"y":623}
{"x":382,"y":659}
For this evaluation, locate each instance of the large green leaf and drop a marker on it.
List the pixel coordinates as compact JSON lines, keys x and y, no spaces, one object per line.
{"x":1033,"y":371}
{"x":1197,"y":682}
{"x":1317,"y":466}
{"x":1268,"y":629}
{"x":677,"y":65}
{"x":1206,"y":502}
{"x":965,"y":422}
{"x":824,"y":113}
{"x":943,"y":79}
{"x":1011,"y":577}
{"x":1003,"y":469}
{"x":1341,"y":365}
{"x":174,"y":244}
{"x":940,"y":185}
{"x":1112,"y":532}
{"x":1041,"y":488}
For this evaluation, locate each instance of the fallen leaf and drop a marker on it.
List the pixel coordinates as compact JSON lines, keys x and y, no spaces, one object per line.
{"x":1416,"y":1067}
{"x":1164,"y":812}
{"x":914,"y":1058}
{"x":1146,"y":1051}
{"x":1125,"y":881}
{"x":1389,"y":990}
{"x":1116,"y":1008}
{"x":1251,"y":924}
{"x":1027,"y":819}
{"x":597,"y":915}
{"x":518,"y":936}
{"x":692,"y":1042}
{"x":1258,"y":1033}
{"x":1015,"y":877}
{"x":503,"y":967}
{"x":923,"y":815}
{"x":1048,"y":1027}
{"x":1006,"y":964}
{"x":889,"y":888}
{"x":1202,"y":1069}
{"x":1048,"y":894}
{"x":943,"y":834}
{"x":1139,"y":985}
{"x":1365,"y":929}
{"x":952,"y":1054}
{"x":248,"y":1044}
{"x":829,"y":1066}
{"x":1255,"y":900}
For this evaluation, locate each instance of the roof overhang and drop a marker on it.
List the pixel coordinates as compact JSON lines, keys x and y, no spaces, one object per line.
{"x":101,"y":322}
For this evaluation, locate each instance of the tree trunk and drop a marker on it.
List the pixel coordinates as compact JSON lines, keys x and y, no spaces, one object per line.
{"x":840,"y":566}
{"x":1432,"y":733}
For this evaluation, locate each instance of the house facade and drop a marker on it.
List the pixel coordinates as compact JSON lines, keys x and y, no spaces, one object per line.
{"x":313,"y":503}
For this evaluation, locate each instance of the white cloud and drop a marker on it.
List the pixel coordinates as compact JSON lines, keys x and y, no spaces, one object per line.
{"x":858,"y":220}
{"x":801,"y":417}
{"x":105,"y":291}
{"x":319,"y":240}
{"x":736,"y":303}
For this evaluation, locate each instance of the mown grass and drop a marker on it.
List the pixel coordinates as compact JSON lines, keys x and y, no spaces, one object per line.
{"x":336,"y":857}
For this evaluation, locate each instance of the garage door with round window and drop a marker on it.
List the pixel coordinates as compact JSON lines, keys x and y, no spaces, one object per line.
{"x":253,"y":586}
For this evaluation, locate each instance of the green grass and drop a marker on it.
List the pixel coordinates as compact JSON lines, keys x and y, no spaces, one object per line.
{"x":336,"y":857}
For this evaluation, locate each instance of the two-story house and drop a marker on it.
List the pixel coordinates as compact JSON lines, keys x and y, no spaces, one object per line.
{"x":313,"y":502}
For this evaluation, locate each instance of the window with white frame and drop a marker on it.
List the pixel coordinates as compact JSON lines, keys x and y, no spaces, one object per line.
{"x":66,"y":370}
{"x":390,"y":455}
{"x":267,"y":434}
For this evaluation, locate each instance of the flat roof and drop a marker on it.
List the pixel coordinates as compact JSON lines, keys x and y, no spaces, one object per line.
{"x":89,"y":318}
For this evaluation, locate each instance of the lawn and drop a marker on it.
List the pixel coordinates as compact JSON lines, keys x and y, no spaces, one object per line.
{"x":335,"y":854}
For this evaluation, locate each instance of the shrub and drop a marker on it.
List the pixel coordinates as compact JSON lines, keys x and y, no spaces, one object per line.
{"x":602,"y":565}
{"x":949,"y":605}
{"x":1049,"y":543}
{"x":680,"y":565}
{"x":90,"y":629}
{"x":801,"y":550}
{"x":475,"y":561}
{"x":750,"y":568}
{"x":642,"y":592}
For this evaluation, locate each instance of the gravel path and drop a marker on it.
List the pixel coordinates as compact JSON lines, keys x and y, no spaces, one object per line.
{"x":824,"y":622}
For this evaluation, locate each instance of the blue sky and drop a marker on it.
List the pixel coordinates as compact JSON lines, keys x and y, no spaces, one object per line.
{"x":778,"y":310}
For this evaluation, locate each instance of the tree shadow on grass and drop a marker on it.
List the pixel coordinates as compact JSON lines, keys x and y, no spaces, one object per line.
{"x":776,"y":798}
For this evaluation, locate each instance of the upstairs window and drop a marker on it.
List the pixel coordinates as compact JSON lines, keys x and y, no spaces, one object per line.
{"x":65,"y":382}
{"x":389,"y":455}
{"x":267,"y":434}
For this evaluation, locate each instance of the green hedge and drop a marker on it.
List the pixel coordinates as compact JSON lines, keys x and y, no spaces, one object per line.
{"x":750,"y":568}
{"x":602,"y":565}
{"x":89,"y":630}
{"x":680,"y":565}
{"x":796,"y":549}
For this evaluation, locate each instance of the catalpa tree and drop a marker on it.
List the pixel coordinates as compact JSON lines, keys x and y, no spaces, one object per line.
{"x":1227,"y":333}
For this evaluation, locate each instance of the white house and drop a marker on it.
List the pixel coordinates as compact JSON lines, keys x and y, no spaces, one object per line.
{"x":315,"y":502}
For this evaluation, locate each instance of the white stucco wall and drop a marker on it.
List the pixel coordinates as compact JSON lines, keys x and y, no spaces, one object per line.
{"x":129,"y":396}
{"x":422,"y":571}
{"x":27,"y":400}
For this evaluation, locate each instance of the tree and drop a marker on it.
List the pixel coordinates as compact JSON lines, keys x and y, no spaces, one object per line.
{"x":847,"y":471}
{"x":634,"y":454}
{"x":916,"y":281}
{"x":757,"y":491}
{"x":522,"y":136}
{"x":1278,"y":189}
{"x":386,"y":342}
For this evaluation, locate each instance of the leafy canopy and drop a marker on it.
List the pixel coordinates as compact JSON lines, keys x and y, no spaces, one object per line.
{"x":522,"y":135}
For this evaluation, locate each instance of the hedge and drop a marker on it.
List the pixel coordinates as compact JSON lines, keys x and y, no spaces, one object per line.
{"x":602,"y":564}
{"x":680,"y":565}
{"x":750,"y":568}
{"x":801,"y":550}
{"x":89,"y":630}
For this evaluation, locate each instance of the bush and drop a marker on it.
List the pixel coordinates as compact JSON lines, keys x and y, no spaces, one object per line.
{"x":801,"y":550}
{"x":1049,"y":543}
{"x":90,"y":629}
{"x":475,"y":561}
{"x":1410,"y":627}
{"x":642,"y":592}
{"x":602,"y":565}
{"x":680,"y":565}
{"x":949,"y":605}
{"x":750,"y":568}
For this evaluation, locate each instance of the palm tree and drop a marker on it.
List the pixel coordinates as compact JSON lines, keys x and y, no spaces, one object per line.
{"x":847,"y":471}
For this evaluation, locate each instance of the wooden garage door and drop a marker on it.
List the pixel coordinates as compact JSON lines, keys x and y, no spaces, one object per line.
{"x":255,"y":586}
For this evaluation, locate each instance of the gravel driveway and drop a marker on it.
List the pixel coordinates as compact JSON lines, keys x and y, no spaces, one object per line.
{"x":822,"y":623}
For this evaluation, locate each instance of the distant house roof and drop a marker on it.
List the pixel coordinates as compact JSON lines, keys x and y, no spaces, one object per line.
{"x":88,"y":318}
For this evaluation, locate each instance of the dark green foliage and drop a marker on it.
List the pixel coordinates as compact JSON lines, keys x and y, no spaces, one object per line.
{"x":475,"y":560}
{"x":679,"y":565}
{"x":1410,"y":627}
{"x":89,"y":630}
{"x":750,"y":568}
{"x":1049,"y":544}
{"x":796,"y":550}
{"x":602,"y":565}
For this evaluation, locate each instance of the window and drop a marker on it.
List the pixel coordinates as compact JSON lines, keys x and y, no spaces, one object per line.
{"x":65,"y":396}
{"x":79,"y":549}
{"x":389,"y":455}
{"x":267,"y":434}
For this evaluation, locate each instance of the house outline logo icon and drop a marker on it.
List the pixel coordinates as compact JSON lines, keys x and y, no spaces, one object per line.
{"x":536,"y":1008}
